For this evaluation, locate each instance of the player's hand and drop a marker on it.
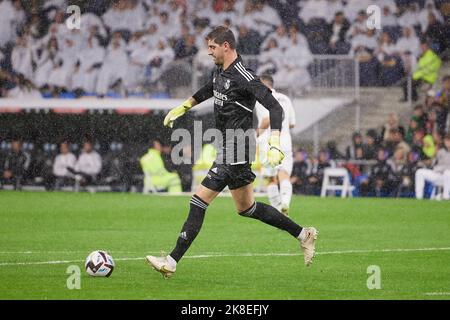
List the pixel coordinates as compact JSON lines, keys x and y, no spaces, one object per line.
{"x":177,"y":112}
{"x":274,"y":155}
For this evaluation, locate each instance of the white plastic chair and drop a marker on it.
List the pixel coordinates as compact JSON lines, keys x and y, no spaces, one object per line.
{"x":332,"y":173}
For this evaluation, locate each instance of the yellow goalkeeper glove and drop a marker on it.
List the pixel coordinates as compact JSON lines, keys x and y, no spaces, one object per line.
{"x":177,"y":112}
{"x":274,"y":155}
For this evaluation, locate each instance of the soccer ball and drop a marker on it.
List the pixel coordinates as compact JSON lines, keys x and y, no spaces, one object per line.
{"x":99,"y":263}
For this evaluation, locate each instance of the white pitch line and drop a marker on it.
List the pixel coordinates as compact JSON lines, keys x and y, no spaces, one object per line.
{"x":221,"y":255}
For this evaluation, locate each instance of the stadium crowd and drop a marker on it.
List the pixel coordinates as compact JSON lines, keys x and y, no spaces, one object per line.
{"x":125,"y":47}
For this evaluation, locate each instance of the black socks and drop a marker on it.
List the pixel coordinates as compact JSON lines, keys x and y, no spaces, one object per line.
{"x":191,"y":227}
{"x":273,"y":217}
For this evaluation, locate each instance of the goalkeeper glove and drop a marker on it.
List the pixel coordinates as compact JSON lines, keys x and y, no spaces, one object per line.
{"x":177,"y":112}
{"x":274,"y":155}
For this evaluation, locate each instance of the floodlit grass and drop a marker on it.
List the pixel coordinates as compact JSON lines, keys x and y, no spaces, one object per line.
{"x":41,"y":234}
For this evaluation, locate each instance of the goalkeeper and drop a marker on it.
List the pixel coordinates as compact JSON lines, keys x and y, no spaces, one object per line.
{"x":236,"y":90}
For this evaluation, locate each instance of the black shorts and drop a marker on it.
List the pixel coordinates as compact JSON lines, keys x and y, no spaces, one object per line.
{"x":233,"y":176}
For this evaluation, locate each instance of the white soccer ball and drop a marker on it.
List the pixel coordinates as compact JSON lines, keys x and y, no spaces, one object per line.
{"x":99,"y":263}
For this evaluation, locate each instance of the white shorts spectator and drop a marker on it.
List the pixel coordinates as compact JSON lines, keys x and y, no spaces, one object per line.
{"x":434,"y":177}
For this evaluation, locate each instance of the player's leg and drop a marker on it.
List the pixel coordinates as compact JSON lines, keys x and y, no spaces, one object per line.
{"x":198,"y":205}
{"x":285,"y":191}
{"x":284,"y":176}
{"x":247,"y":207}
{"x":211,"y":186}
{"x":273,"y":193}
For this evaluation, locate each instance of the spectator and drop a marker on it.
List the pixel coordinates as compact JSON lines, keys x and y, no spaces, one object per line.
{"x":63,"y":161}
{"x":333,"y":151}
{"x":435,"y":34}
{"x":159,"y":60}
{"x":396,"y":165}
{"x":376,"y":183}
{"x":315,"y":178}
{"x":395,"y":141}
{"x":338,"y":30}
{"x":21,"y":57}
{"x":439,"y":174}
{"x":357,"y":142}
{"x":87,"y":68}
{"x":270,"y":57}
{"x":280,"y":35}
{"x":391,"y":68}
{"x":371,"y":145}
{"x":443,"y":104}
{"x":408,"y":47}
{"x":426,"y":71}
{"x":88,"y":165}
{"x":406,"y":174}
{"x":249,"y":41}
{"x":186,"y":47}
{"x":300,"y":172}
{"x":15,"y":165}
{"x":115,"y":66}
{"x":156,"y":174}
{"x":392,"y":123}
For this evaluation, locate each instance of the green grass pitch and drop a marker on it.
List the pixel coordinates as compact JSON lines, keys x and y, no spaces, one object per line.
{"x":42,"y":234}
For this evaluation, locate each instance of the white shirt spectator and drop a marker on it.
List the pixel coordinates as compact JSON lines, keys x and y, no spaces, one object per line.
{"x":354,"y":6}
{"x":89,"y":163}
{"x":91,"y":22}
{"x":115,"y":66}
{"x":6,"y":22}
{"x":62,"y":161}
{"x":263,"y":18}
{"x":85,"y":76}
{"x":408,"y":42}
{"x":159,"y":59}
{"x":21,"y":58}
{"x":334,"y":6}
{"x":365,"y":41}
{"x":423,"y":15}
{"x":387,"y":17}
{"x":313,"y":9}
{"x":270,"y":57}
{"x":125,"y":17}
{"x":410,"y":17}
{"x":281,"y":36}
{"x":200,"y":9}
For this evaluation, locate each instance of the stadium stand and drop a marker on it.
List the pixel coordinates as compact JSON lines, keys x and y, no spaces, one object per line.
{"x":154,"y":49}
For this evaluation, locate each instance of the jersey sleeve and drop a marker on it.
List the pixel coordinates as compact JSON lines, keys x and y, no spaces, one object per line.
{"x":264,"y":96}
{"x":205,"y":92}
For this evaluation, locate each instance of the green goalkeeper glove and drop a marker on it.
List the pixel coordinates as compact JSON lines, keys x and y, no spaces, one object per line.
{"x":274,"y":155}
{"x":177,"y":112}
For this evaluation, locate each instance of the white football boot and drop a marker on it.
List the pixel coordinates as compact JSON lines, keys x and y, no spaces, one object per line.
{"x":308,"y":245}
{"x":162,"y":265}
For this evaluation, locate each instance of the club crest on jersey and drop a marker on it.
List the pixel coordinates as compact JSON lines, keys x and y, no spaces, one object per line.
{"x":227,"y":84}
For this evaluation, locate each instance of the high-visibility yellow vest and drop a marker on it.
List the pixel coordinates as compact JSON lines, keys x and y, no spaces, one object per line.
{"x":428,"y":67}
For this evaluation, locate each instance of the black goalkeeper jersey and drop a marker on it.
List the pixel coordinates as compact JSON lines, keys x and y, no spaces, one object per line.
{"x":235,"y":91}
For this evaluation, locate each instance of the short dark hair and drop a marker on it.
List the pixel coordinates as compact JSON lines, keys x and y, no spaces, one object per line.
{"x":267,"y":77}
{"x":222,"y":34}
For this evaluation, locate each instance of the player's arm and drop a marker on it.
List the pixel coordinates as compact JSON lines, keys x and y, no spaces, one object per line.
{"x":265,"y":123}
{"x":201,"y":95}
{"x":265,"y":97}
